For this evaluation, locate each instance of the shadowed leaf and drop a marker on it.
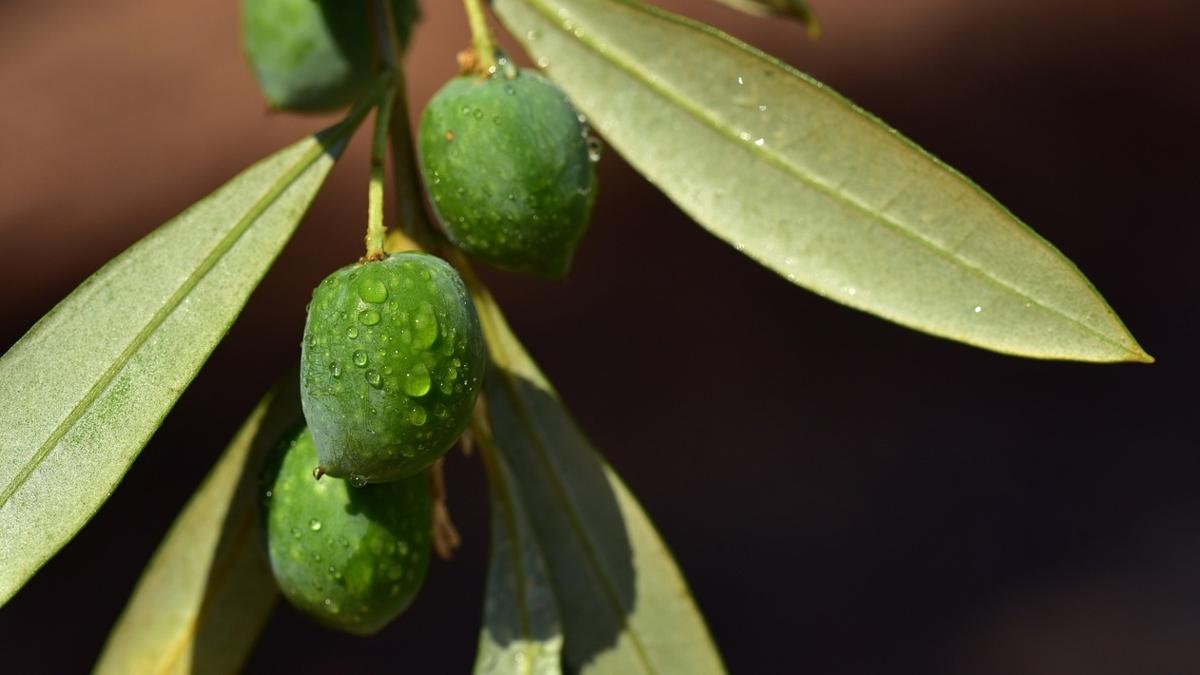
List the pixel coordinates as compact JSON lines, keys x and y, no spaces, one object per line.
{"x":625,"y":607}
{"x":207,"y":592}
{"x":521,"y":630}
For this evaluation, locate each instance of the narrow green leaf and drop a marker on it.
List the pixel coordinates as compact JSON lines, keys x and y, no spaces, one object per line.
{"x":793,"y":9}
{"x":86,"y":387}
{"x":812,"y":187}
{"x":521,"y":631}
{"x":207,"y":592}
{"x":625,"y":607}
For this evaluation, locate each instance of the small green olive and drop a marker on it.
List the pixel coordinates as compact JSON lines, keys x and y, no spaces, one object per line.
{"x":314,"y":55}
{"x":391,"y":362}
{"x":351,"y":558}
{"x":507,"y":164}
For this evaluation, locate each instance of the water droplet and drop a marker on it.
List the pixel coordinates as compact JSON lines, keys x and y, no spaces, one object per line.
{"x":762,"y":108}
{"x":760,"y":142}
{"x":417,"y":416}
{"x":416,"y":381}
{"x":368,"y":317}
{"x":360,"y":358}
{"x":478,"y":114}
{"x":740,"y":80}
{"x":425,"y":326}
{"x":543,"y":62}
{"x":314,"y":525}
{"x":352,"y":332}
{"x":978,"y":309}
{"x":358,"y":480}
{"x":295,"y":533}
{"x":372,"y":290}
{"x":532,"y":34}
{"x":335,"y":369}
{"x":594,"y":149}
{"x":374,"y":379}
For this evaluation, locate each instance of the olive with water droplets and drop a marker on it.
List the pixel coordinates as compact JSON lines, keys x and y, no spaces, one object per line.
{"x":314,"y":55}
{"x":351,"y":558}
{"x":391,"y":362}
{"x":507,"y":165}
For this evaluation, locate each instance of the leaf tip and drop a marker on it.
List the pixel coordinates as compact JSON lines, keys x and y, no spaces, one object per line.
{"x":1139,"y":355}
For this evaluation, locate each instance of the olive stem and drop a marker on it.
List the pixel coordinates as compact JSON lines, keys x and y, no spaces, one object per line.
{"x":391,"y":48}
{"x":376,"y":230}
{"x":406,"y":183}
{"x":481,"y":37}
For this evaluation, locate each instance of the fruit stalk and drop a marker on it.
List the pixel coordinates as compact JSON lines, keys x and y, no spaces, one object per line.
{"x":375,"y":227}
{"x":481,"y":37}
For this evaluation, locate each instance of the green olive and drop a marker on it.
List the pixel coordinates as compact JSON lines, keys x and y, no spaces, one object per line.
{"x":314,"y":55}
{"x":351,"y":558}
{"x":507,"y":165}
{"x":391,"y":362}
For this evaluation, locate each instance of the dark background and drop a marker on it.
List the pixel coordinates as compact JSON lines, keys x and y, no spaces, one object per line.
{"x":844,"y":496}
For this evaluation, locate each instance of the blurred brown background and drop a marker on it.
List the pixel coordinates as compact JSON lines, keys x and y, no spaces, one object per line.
{"x":845,"y":496}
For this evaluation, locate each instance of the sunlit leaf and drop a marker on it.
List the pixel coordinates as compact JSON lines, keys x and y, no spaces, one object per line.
{"x":207,"y":592}
{"x":85,"y":388}
{"x":794,"y":9}
{"x":624,"y":605}
{"x":521,"y":632}
{"x":799,"y":179}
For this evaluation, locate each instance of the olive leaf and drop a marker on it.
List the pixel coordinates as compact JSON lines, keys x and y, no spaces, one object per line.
{"x":82,"y":392}
{"x":793,"y":9}
{"x":521,"y":629}
{"x":207,"y":592}
{"x":624,"y":605}
{"x":812,"y":187}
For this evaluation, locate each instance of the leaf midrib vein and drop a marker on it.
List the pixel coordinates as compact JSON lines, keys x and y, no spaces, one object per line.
{"x":618,"y":59}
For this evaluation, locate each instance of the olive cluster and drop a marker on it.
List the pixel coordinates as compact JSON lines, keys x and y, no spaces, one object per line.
{"x":392,"y":357}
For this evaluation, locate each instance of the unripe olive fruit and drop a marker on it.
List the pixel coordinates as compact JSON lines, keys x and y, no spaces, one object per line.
{"x":507,"y":166}
{"x":391,"y":361}
{"x":351,"y":558}
{"x":314,"y":55}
